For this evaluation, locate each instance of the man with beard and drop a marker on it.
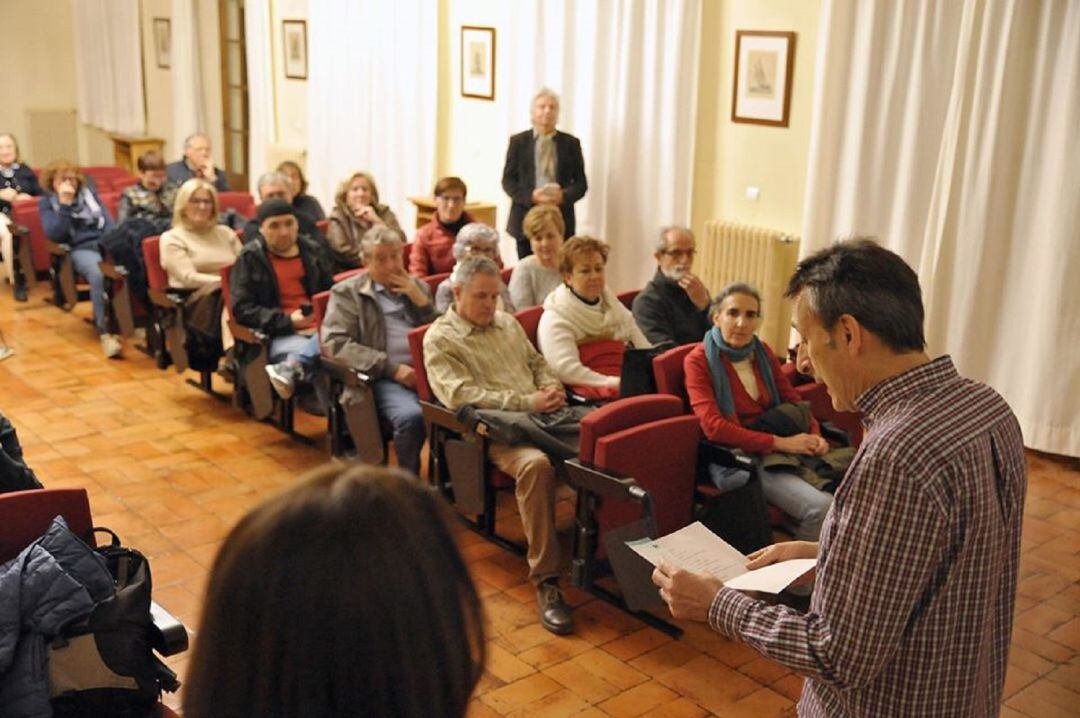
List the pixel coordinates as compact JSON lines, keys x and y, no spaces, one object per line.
{"x":674,"y":306}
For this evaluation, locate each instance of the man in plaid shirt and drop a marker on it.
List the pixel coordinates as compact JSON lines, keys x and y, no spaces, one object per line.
{"x":911,"y":613}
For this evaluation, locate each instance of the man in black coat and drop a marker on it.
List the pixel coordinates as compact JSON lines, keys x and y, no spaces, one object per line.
{"x":543,"y":166}
{"x":272,"y":283}
{"x":674,"y":306}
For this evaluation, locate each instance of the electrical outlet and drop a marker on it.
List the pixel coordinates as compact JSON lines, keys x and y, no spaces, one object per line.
{"x":752,"y":193}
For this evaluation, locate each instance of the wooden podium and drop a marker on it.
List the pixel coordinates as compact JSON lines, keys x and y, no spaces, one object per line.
{"x":127,"y":150}
{"x":480,"y":211}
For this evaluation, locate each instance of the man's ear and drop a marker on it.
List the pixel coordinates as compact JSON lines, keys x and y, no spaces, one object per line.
{"x":850,"y":335}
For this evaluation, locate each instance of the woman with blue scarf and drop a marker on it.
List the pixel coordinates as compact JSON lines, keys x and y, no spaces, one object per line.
{"x":733,"y":378}
{"x":72,"y":213}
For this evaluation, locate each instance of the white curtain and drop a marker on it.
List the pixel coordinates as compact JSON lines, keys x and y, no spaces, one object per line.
{"x":262,"y":124}
{"x":949,"y":131}
{"x":189,"y":113}
{"x":108,"y":65}
{"x":626,"y":72}
{"x":372,"y":96}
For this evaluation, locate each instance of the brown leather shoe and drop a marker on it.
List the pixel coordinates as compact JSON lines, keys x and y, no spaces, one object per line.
{"x":554,"y":613}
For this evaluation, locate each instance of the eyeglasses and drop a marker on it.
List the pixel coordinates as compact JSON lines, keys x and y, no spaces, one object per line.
{"x":202,"y":202}
{"x":680,"y":253}
{"x":450,"y":199}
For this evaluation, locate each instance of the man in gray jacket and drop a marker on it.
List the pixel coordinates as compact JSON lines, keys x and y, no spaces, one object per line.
{"x":367,"y":326}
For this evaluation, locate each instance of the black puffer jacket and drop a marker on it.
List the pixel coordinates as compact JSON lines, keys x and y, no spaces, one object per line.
{"x":54,"y":581}
{"x":256,"y":297}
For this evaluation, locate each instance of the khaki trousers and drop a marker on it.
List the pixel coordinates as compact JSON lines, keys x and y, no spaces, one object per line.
{"x":535,"y":491}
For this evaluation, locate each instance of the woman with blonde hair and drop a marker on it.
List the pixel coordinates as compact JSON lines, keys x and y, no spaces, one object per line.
{"x":192,"y":255}
{"x":356,"y":210}
{"x":537,"y":276}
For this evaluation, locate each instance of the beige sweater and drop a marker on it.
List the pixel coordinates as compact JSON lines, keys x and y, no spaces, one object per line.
{"x":194,"y":259}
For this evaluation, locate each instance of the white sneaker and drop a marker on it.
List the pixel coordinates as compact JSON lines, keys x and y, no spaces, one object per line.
{"x":5,"y":352}
{"x":110,"y":344}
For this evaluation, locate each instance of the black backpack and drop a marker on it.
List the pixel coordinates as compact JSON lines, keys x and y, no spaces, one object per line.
{"x":104,"y":666}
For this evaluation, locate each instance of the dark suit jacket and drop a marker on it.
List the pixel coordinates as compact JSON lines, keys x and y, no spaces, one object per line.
{"x":519,"y":177}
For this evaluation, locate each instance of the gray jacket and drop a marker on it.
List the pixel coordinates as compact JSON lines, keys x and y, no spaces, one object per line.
{"x":54,"y":581}
{"x":354,"y":330}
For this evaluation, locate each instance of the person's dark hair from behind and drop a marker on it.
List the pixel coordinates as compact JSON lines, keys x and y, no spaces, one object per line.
{"x":874,"y":285}
{"x":151,"y":160}
{"x":344,"y":596}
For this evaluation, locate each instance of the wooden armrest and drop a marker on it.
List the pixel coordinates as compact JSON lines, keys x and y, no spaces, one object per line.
{"x":712,"y":452}
{"x":341,"y":372}
{"x":603,"y":482}
{"x":57,"y":249}
{"x":246,"y":334}
{"x":18,"y":229}
{"x":112,"y":271}
{"x":166,"y":298}
{"x":442,"y":417}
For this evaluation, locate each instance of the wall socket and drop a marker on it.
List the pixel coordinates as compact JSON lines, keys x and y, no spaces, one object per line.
{"x":752,"y":193}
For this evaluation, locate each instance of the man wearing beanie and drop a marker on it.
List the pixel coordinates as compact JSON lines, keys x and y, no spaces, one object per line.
{"x":272,"y":283}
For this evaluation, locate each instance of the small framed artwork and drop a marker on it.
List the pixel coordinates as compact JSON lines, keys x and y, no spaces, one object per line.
{"x":764,"y":65}
{"x":294,"y":48}
{"x":478,"y":62}
{"x":163,"y":42}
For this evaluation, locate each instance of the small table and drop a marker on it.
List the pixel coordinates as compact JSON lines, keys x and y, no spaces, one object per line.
{"x":128,"y":149}
{"x":480,"y":211}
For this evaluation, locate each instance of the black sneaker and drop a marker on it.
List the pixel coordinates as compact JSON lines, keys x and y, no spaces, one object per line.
{"x":20,"y":293}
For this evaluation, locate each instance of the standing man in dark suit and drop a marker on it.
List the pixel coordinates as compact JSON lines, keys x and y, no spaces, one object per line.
{"x":543,"y":166}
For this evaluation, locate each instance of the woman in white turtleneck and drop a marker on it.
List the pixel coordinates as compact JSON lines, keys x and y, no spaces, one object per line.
{"x":582,"y":311}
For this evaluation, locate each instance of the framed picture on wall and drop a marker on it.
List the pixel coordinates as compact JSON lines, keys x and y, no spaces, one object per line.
{"x":478,"y":62}
{"x":163,"y":42}
{"x":764,"y":65}
{"x":294,"y":48}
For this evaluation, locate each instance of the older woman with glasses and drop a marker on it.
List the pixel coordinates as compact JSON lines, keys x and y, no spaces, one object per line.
{"x":433,"y":250}
{"x":474,"y":240}
{"x":192,"y":254}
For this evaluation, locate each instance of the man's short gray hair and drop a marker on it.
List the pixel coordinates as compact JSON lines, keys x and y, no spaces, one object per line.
{"x":269,"y":178}
{"x":195,"y":136}
{"x":469,"y":267}
{"x":379,"y":234}
{"x":662,"y":240}
{"x":545,"y":92}
{"x":475,"y":234}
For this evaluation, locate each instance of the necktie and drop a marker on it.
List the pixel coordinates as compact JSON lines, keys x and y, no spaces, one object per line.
{"x":547,"y":156}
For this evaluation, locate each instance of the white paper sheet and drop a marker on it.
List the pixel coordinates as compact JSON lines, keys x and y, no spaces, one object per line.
{"x":696,"y":548}
{"x":773,"y":578}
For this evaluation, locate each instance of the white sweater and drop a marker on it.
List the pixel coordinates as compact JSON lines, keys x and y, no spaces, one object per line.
{"x":568,"y":322}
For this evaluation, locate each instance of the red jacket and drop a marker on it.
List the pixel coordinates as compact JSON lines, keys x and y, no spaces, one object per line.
{"x":725,"y":430}
{"x":433,"y":249}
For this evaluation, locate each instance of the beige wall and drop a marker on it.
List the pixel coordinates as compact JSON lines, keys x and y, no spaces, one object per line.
{"x":290,"y":96}
{"x":39,"y":39}
{"x":732,"y":156}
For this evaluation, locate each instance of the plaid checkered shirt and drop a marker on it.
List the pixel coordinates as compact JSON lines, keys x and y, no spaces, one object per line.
{"x":912,"y":608}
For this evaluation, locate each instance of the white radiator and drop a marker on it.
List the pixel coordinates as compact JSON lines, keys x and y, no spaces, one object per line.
{"x":765,"y":258}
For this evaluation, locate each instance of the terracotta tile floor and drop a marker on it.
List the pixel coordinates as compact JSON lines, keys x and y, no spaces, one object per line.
{"x":170,"y":469}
